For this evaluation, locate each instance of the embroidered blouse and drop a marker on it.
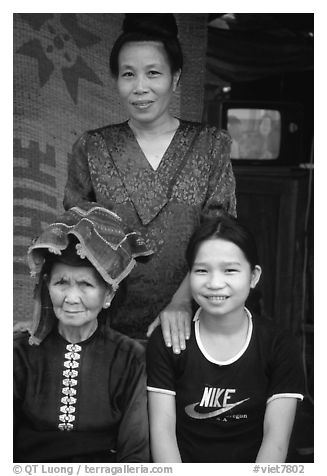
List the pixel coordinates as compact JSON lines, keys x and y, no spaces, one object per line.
{"x":83,"y":402}
{"x":194,"y":176}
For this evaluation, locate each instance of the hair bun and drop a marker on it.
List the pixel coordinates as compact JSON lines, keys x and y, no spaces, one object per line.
{"x":159,"y":24}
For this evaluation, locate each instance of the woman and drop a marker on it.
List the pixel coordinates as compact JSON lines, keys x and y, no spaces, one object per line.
{"x":79,"y":386}
{"x":231,"y":396}
{"x":156,"y":171}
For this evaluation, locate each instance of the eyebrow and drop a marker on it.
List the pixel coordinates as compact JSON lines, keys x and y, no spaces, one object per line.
{"x":152,"y":65}
{"x":232,"y":263}
{"x":77,"y":278}
{"x":225,"y":263}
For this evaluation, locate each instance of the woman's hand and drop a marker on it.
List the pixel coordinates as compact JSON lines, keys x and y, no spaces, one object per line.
{"x":175,"y":322}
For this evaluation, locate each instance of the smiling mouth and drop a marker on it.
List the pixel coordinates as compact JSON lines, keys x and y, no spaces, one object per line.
{"x":142,"y":105}
{"x":72,"y":312}
{"x":217,"y":298}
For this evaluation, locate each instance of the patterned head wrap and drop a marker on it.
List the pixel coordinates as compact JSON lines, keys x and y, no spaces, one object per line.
{"x":85,"y":235}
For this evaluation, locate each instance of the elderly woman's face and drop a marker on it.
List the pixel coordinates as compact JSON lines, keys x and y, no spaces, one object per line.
{"x":145,"y":81}
{"x":77,"y":293}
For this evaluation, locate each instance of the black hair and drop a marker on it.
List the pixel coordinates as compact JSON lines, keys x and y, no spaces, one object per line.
{"x":149,"y":27}
{"x":225,"y":227}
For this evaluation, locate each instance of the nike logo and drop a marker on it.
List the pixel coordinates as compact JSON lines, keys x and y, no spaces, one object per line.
{"x":190,"y":410}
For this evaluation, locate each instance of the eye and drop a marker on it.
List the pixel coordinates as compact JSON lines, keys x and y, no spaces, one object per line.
{"x":153,"y":72}
{"x":60,"y":282}
{"x":200,"y":270}
{"x":231,"y":270}
{"x":127,"y":74}
{"x":87,"y":284}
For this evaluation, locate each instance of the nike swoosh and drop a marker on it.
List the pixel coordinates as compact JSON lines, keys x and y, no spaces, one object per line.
{"x":201,"y":416}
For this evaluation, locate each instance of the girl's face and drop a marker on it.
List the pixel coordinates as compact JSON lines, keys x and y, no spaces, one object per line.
{"x":78,"y":294}
{"x":221,"y":278}
{"x":145,"y":81}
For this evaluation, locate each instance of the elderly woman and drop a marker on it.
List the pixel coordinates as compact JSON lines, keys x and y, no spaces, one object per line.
{"x":79,"y":386}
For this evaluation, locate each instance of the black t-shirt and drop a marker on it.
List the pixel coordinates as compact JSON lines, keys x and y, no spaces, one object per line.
{"x":220,"y":406}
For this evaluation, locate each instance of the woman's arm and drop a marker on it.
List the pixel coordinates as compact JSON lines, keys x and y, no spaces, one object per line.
{"x":221,"y":185}
{"x":133,"y":433}
{"x":175,"y":319}
{"x":162,"y":415}
{"x":277,"y":429}
{"x":79,"y":185}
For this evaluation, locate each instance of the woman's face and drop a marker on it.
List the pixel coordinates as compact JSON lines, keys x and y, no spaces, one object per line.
{"x":77,"y":293}
{"x":145,"y":81}
{"x":221,"y":278}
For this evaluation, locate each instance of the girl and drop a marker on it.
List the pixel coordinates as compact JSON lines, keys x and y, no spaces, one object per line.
{"x":231,"y":396}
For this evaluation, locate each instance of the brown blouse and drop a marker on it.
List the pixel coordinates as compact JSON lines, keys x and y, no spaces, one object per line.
{"x":194,"y":176}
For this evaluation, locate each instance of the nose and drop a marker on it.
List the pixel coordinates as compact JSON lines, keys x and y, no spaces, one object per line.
{"x":141,"y":84}
{"x":215,"y":280}
{"x":72,"y":295}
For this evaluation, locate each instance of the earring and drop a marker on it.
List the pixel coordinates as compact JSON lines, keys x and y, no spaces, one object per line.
{"x":109,"y":298}
{"x":108,"y":302}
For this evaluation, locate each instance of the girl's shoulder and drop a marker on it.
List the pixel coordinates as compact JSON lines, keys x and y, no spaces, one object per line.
{"x":266,"y":324}
{"x":272,"y":334}
{"x":156,"y":343}
{"x":157,"y":346}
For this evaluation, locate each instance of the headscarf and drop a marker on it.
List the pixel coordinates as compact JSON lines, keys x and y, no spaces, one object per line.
{"x":83,"y":235}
